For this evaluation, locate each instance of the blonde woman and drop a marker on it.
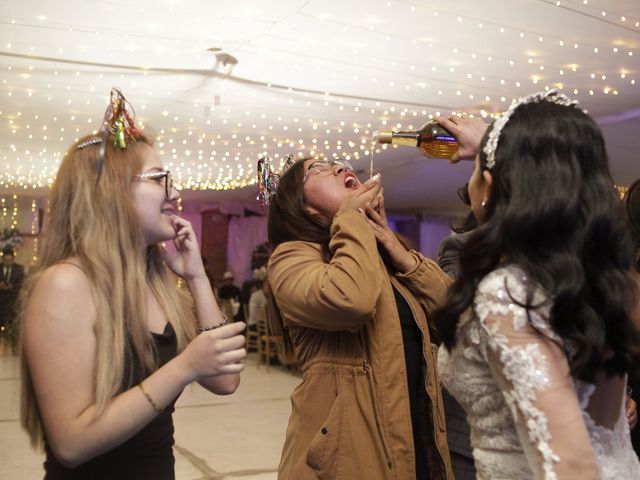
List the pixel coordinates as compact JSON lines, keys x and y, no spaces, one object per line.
{"x":109,"y":340}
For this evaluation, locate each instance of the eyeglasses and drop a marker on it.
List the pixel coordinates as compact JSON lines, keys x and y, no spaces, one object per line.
{"x":463,"y":193}
{"x":324,"y":166}
{"x":159,"y":176}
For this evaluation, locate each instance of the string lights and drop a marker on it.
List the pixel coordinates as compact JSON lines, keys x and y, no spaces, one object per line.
{"x":34,"y":230}
{"x":20,"y":214}
{"x":210,"y":129}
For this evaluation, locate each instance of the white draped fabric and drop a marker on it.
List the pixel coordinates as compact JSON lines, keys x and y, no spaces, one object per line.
{"x":245,"y":234}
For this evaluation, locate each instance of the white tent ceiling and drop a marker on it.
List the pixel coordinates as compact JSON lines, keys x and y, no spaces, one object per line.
{"x":313,"y":76}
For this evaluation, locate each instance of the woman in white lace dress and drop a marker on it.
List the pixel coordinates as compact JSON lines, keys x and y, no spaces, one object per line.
{"x":537,"y":333}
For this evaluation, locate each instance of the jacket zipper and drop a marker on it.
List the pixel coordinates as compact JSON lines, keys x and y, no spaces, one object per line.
{"x":378,"y":414}
{"x":434,"y":401}
{"x":424,"y":358}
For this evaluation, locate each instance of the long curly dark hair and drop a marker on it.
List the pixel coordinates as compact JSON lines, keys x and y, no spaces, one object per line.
{"x":554,"y":212}
{"x":632,"y":205}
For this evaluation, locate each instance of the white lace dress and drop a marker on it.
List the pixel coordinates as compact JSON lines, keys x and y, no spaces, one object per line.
{"x":528,"y":417}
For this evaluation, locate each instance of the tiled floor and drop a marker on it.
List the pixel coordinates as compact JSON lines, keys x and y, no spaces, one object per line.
{"x":238,"y":436}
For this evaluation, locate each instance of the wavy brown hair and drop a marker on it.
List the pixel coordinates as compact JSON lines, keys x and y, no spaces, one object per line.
{"x":632,"y":206}
{"x":554,"y":212}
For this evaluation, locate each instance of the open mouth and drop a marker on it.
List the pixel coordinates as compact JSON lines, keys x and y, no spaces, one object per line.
{"x":350,"y":181}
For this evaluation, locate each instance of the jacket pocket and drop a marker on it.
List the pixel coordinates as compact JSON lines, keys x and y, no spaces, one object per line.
{"x":377,"y":412}
{"x":323,"y":454}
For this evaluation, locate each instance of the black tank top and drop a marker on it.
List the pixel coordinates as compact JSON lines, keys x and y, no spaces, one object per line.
{"x":146,"y":455}
{"x":413,"y":357}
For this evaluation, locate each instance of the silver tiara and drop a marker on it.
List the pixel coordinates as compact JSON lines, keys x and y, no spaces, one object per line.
{"x":87,"y":143}
{"x":551,"y":96}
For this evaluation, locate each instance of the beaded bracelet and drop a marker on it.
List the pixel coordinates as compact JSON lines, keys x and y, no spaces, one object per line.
{"x":153,"y":404}
{"x":200,"y":329}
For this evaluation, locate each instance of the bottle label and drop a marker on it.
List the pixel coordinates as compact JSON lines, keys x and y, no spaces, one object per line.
{"x":407,"y":141}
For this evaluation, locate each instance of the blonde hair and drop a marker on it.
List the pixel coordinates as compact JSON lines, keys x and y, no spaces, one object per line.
{"x":95,"y":222}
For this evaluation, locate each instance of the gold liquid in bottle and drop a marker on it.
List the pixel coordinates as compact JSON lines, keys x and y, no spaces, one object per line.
{"x":432,"y":140}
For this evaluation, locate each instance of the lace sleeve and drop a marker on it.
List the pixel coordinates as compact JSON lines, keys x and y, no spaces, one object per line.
{"x":533,"y":374}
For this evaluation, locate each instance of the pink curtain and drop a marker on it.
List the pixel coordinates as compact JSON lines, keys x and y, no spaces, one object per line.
{"x":245,"y":234}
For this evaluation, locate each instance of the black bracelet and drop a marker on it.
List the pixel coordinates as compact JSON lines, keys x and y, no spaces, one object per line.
{"x":200,"y":329}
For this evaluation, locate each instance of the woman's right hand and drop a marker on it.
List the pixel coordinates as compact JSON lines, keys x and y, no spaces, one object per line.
{"x":216,"y":352}
{"x":366,"y":194}
{"x":468,"y":133}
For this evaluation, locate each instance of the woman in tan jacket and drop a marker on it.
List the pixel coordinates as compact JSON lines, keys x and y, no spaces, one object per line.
{"x":352,"y":303}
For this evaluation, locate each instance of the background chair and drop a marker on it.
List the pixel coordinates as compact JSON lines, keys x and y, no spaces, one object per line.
{"x":252,"y":338}
{"x":267,"y":343}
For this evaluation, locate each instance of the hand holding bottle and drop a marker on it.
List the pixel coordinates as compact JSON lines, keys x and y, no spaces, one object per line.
{"x":432,"y":139}
{"x":468,"y":133}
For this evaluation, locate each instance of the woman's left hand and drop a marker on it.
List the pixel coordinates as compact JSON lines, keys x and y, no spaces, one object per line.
{"x":186,"y":261}
{"x":402,"y":260}
{"x":632,"y":413}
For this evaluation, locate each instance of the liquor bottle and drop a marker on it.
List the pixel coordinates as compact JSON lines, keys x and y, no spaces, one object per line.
{"x":432,"y":140}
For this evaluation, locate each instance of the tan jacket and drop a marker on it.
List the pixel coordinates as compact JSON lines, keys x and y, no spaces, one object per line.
{"x":350,"y":415}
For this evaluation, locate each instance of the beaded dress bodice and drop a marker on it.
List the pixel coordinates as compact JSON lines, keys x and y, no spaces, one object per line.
{"x":528,"y":417}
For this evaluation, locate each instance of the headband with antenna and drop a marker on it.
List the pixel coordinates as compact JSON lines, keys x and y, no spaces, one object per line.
{"x":268,"y":178}
{"x":117,"y":122}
